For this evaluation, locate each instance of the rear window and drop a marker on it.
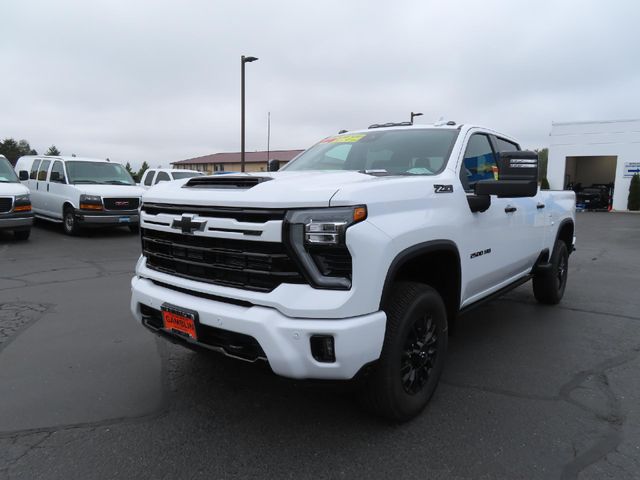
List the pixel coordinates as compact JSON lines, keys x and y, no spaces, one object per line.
{"x":397,"y":152}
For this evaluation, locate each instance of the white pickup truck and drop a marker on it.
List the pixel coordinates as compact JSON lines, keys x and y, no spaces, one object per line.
{"x":353,"y":261}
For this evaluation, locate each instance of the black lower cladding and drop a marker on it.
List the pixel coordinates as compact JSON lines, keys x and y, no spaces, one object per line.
{"x":252,"y":265}
{"x":235,"y":344}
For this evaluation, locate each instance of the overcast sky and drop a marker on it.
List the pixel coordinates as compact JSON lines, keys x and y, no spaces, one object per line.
{"x":160,"y":80}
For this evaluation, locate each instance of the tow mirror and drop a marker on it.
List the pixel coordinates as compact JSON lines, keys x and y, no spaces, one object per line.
{"x":517,"y":176}
{"x":24,"y":175}
{"x":273,"y":165}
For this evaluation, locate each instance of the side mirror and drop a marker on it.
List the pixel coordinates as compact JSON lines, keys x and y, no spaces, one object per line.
{"x":517,"y":176}
{"x":23,"y":175}
{"x":273,"y":165}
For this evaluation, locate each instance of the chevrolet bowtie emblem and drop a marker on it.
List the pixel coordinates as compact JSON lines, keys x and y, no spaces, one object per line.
{"x":188,"y":225}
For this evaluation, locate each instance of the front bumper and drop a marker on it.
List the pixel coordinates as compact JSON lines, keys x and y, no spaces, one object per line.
{"x":284,"y":340}
{"x":17,"y":220}
{"x":108,"y":218}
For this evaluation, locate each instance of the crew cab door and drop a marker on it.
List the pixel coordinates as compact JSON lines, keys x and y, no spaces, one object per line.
{"x":495,"y":251}
{"x":532,"y":213}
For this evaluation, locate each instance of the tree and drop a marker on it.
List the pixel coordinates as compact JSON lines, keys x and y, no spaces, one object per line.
{"x":143,"y":168}
{"x":633,"y":202}
{"x":14,"y":150}
{"x":133,"y":174}
{"x":53,"y":151}
{"x":543,"y":161}
{"x":544,"y":184}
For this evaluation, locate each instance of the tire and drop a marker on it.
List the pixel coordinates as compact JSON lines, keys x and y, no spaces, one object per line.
{"x":69,"y":223}
{"x":134,"y":228}
{"x":22,"y":234}
{"x":549,"y":285}
{"x":413,"y":353}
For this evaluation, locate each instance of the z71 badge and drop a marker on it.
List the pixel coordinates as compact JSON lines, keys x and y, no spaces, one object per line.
{"x":443,"y":188}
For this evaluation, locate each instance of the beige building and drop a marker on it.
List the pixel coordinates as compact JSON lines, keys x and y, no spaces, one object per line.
{"x":230,"y":161}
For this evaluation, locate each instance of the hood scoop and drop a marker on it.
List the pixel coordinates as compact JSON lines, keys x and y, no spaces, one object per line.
{"x":226,"y":181}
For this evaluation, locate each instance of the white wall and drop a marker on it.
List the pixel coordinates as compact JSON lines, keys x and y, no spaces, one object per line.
{"x":585,"y":139}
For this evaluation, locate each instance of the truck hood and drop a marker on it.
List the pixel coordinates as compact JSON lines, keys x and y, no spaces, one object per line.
{"x":111,"y":190}
{"x":11,"y":189}
{"x":281,"y":190}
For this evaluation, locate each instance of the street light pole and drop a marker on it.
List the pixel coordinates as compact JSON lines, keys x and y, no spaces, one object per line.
{"x":414,"y":115}
{"x":243,"y":60}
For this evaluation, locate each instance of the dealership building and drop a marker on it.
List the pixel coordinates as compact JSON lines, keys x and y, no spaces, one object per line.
{"x":595,"y":153}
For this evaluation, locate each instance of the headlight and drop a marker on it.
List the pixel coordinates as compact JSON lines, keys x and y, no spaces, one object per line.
{"x":317,"y":239}
{"x":22,"y":203}
{"x":91,"y":202}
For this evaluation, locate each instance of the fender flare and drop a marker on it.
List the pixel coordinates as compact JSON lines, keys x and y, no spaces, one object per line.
{"x":415,"y":251}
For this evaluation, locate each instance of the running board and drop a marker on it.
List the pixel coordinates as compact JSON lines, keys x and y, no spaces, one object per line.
{"x":496,"y":294}
{"x":48,"y":219}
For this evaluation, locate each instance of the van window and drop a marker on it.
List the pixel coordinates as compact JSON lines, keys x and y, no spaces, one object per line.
{"x":149,"y":178}
{"x":42,"y":171}
{"x":34,"y":169}
{"x":163,"y":177}
{"x":59,"y":169}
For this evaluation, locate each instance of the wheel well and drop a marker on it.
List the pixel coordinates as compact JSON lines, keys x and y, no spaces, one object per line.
{"x":566,"y":234}
{"x":439,"y":268}
{"x":66,"y":206}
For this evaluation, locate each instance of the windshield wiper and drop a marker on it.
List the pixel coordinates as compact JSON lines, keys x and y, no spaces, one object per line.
{"x":377,"y":172}
{"x":116,"y":182}
{"x":87,"y":181}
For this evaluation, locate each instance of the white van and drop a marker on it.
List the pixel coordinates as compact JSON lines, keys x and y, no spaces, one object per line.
{"x":157,"y":175}
{"x":80,"y":192}
{"x":15,"y":204}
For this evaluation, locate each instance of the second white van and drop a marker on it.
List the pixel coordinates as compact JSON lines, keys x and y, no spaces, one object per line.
{"x":80,"y":192}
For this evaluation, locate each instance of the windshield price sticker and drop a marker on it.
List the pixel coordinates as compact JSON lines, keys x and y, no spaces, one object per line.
{"x":343,"y":139}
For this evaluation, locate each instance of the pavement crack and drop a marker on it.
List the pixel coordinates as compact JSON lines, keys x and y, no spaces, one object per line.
{"x":612,"y":416}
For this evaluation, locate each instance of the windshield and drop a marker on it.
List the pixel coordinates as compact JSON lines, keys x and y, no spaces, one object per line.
{"x":179,"y":175}
{"x":7,"y":175}
{"x":395,"y":152}
{"x":98,"y":172}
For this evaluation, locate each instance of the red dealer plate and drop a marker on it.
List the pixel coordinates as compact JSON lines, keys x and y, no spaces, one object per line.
{"x":179,"y":322}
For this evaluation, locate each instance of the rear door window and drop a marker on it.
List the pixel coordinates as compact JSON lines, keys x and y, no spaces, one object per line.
{"x":506,"y":145}
{"x":162,"y":177}
{"x":479,"y":160}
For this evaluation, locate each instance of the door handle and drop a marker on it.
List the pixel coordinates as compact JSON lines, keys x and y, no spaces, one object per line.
{"x":510,"y":209}
{"x":539,"y":206}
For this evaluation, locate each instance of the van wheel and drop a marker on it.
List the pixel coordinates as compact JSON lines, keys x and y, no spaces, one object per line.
{"x":549,"y":285}
{"x":415,"y":345}
{"x":69,"y":222}
{"x":22,"y":234}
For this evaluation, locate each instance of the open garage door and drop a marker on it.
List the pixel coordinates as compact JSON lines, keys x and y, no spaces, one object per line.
{"x":592,"y":178}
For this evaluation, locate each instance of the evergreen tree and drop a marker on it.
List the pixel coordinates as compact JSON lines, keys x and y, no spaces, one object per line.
{"x":53,"y":151}
{"x":634,"y":193}
{"x":143,"y":168}
{"x":13,"y":150}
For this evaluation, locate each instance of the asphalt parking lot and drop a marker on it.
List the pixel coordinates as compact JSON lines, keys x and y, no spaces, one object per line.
{"x":528,"y":391}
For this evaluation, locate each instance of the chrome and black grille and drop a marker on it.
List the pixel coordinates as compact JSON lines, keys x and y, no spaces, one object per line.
{"x":131,"y":203}
{"x":251,"y":215}
{"x":259,"y":266}
{"x":6,"y":204}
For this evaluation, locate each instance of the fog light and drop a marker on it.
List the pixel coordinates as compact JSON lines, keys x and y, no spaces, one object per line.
{"x":322,"y":348}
